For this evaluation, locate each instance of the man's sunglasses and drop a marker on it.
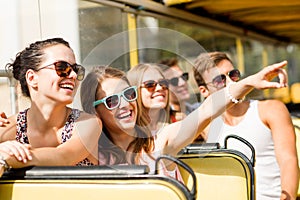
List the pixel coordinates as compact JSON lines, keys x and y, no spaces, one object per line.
{"x":113,"y":101}
{"x":220,"y":80}
{"x":64,"y":69}
{"x":174,"y":81}
{"x":151,"y":84}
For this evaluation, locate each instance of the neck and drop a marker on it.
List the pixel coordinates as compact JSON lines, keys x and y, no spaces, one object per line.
{"x":238,"y":109}
{"x":157,"y":117}
{"x":233,"y":115}
{"x":122,"y":139}
{"x":44,"y":117}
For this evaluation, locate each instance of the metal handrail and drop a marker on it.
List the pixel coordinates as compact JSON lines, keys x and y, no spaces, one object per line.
{"x":12,"y":85}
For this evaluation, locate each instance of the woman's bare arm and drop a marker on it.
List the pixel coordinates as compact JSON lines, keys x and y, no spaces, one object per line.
{"x":83,"y":143}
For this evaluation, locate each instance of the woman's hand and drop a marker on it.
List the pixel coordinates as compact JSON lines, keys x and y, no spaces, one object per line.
{"x":3,"y":119}
{"x":13,"y":148}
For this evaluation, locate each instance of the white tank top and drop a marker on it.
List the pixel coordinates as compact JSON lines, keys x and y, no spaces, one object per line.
{"x":251,"y":128}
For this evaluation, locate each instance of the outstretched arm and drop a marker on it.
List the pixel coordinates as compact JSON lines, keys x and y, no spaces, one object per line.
{"x":179,"y":134}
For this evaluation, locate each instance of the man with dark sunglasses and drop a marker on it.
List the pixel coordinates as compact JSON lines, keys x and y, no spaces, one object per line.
{"x":178,"y":86}
{"x":265,"y":124}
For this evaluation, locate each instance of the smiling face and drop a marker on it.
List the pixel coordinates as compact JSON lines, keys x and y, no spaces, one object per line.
{"x":179,"y":92}
{"x":49,"y":84}
{"x":223,"y":67}
{"x":158,"y":98}
{"x":122,"y":118}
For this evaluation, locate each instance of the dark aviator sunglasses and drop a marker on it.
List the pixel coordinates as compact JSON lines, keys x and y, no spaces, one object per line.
{"x":113,"y":101}
{"x":64,"y":69}
{"x":150,"y":85}
{"x":220,"y":80}
{"x":174,"y":81}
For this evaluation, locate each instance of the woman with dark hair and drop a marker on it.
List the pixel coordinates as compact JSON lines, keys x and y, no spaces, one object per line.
{"x":49,"y":132}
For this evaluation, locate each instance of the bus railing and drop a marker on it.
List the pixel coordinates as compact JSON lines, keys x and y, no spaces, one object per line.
{"x":12,"y":85}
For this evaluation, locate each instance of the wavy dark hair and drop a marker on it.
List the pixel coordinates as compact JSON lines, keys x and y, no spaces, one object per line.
{"x":30,"y":58}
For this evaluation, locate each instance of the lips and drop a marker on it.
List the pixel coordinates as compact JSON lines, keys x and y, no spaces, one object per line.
{"x":124,"y":114}
{"x":158,"y":95}
{"x":182,"y":90}
{"x":67,"y":85}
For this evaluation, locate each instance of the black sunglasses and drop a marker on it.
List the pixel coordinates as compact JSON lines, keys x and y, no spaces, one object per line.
{"x":151,"y":84}
{"x":174,"y":81}
{"x":220,"y":80}
{"x":64,"y":69}
{"x":113,"y":101}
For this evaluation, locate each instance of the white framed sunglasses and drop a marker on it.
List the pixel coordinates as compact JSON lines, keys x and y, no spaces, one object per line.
{"x":113,"y":101}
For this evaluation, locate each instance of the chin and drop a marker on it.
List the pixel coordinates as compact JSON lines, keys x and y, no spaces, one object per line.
{"x":68,"y":101}
{"x":159,"y":106}
{"x":128,"y":128}
{"x":184,"y":97}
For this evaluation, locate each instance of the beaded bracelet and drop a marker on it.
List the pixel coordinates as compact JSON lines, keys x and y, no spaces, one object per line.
{"x":233,"y":100}
{"x":4,"y":163}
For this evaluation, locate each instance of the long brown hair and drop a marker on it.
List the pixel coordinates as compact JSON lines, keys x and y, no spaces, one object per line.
{"x":143,"y":140}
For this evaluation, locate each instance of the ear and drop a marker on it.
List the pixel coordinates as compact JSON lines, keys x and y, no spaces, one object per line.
{"x":204,"y":91}
{"x":32,"y":78}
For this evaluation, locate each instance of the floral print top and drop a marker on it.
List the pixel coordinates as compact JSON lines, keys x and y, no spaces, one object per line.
{"x":22,"y":137}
